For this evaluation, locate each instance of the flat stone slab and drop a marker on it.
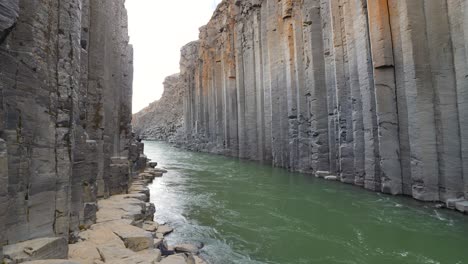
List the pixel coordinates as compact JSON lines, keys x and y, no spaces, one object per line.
{"x":150,"y":226}
{"x":462,"y":206}
{"x":84,"y":252}
{"x":165,"y":229}
{"x":322,"y":174}
{"x":186,"y":248}
{"x":133,"y":237}
{"x":37,"y":249}
{"x":331,"y":178}
{"x":175,"y":259}
{"x":52,"y":261}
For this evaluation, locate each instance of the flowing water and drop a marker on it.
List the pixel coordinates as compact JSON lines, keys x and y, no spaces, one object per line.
{"x":249,"y":213}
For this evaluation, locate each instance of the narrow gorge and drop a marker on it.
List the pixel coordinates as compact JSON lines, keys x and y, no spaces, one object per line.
{"x":372,"y":92}
{"x":294,"y":96}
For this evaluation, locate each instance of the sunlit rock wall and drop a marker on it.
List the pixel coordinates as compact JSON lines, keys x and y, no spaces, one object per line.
{"x":374,"y":92}
{"x":162,"y":119}
{"x":65,"y":112}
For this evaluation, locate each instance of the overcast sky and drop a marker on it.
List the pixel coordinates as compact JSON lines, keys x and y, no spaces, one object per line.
{"x":158,"y":29}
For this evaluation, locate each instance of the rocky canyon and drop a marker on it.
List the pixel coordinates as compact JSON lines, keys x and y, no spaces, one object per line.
{"x":373,"y":92}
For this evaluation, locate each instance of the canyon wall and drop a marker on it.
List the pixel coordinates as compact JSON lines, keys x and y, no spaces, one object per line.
{"x":374,"y":92}
{"x":162,"y":119}
{"x":65,"y":112}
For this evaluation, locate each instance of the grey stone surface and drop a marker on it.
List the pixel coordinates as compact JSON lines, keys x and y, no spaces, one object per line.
{"x":371,"y":91}
{"x":37,"y":249}
{"x":65,"y":115}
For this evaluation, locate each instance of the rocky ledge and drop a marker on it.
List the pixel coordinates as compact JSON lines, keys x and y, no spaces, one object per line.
{"x":124,"y":233}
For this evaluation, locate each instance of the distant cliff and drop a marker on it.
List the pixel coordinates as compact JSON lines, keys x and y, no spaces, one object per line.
{"x":65,"y":112}
{"x":374,"y":92}
{"x":162,"y":119}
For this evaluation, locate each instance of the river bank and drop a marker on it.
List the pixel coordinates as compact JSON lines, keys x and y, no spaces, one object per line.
{"x":124,"y":233}
{"x":248,"y":213}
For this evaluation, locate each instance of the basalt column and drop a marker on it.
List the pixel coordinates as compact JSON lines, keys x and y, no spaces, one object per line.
{"x":65,"y":100}
{"x":373,"y":92}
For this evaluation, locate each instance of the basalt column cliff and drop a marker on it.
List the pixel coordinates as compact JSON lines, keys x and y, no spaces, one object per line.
{"x":65,"y":112}
{"x":374,"y":92}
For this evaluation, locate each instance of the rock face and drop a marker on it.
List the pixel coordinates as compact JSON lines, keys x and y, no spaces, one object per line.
{"x":162,"y":119}
{"x":65,"y":114}
{"x":373,"y":92}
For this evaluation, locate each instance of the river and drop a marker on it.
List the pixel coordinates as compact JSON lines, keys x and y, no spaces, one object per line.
{"x":246,"y":212}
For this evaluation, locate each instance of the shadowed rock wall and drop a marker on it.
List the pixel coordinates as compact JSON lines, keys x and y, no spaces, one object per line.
{"x":372,"y":91}
{"x":65,"y":112}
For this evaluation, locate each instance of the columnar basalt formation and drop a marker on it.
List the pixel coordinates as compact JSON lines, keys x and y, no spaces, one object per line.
{"x":162,"y":119}
{"x":372,"y":91}
{"x":65,"y":113}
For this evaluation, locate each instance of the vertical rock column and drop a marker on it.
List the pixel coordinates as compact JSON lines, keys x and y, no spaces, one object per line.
{"x":385,"y":96}
{"x":3,"y":193}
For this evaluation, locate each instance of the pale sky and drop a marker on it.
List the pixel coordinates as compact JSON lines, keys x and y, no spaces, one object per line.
{"x":158,"y":29}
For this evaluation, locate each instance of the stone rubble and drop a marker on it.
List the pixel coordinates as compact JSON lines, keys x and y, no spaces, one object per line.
{"x":126,"y":233}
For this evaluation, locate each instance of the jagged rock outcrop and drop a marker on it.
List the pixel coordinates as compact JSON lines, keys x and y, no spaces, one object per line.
{"x":65,"y":114}
{"x":374,"y":92}
{"x":162,"y":119}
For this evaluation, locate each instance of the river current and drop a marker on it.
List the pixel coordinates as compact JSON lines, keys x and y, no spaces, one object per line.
{"x":246,"y":212}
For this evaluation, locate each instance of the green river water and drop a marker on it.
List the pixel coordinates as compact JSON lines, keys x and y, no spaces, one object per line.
{"x":245,"y":212}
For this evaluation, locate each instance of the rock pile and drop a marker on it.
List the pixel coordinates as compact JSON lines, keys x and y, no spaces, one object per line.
{"x":125,"y":231}
{"x":162,"y":120}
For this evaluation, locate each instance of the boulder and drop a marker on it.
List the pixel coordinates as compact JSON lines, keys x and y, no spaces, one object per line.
{"x":150,"y":226}
{"x":134,"y":238}
{"x":450,"y":203}
{"x":186,"y":248}
{"x":37,"y":249}
{"x":331,"y":178}
{"x":322,"y":174}
{"x":462,"y":206}
{"x":165,"y":229}
{"x":153,"y":164}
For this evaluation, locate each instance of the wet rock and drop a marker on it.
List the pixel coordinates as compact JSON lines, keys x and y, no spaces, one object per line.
{"x":37,"y":249}
{"x":153,"y":164}
{"x":452,"y":202}
{"x":186,"y":248}
{"x":331,"y":178}
{"x":322,"y":174}
{"x":462,"y":206}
